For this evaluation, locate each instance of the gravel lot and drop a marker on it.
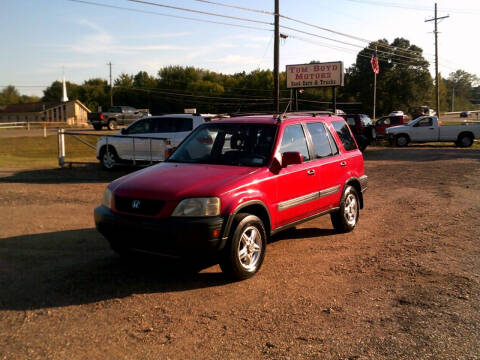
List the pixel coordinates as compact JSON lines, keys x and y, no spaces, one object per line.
{"x":404,"y":285}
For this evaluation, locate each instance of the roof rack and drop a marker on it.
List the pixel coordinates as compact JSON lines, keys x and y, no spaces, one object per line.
{"x":282,"y":116}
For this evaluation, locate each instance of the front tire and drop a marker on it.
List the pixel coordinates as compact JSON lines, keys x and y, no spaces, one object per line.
{"x":244,"y":253}
{"x":108,"y":158}
{"x":402,"y":140}
{"x":345,"y":219}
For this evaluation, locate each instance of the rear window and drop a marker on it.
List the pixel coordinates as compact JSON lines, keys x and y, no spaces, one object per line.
{"x":366,"y":121}
{"x":170,"y":125}
{"x":344,"y":134}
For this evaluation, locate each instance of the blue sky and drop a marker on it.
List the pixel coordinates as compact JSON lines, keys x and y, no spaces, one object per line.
{"x":40,"y":37}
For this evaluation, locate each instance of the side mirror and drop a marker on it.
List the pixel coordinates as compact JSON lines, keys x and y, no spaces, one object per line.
{"x":124,"y":131}
{"x":291,"y":158}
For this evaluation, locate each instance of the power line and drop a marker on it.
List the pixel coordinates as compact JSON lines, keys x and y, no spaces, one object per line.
{"x":167,"y":15}
{"x":418,"y":58}
{"x":236,"y":7}
{"x":200,"y":12}
{"x":193,"y":95}
{"x":390,"y":61}
{"x":412,"y":7}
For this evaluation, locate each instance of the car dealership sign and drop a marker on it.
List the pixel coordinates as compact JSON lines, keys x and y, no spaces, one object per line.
{"x":315,"y":75}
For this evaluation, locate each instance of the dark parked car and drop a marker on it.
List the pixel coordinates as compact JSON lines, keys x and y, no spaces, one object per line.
{"x":464,"y":114}
{"x":362,"y":128}
{"x":388,"y":121}
{"x":116,"y":115}
{"x":231,"y":184}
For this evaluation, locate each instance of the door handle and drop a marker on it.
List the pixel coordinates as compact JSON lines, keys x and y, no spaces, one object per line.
{"x":311,"y":172}
{"x":343,"y":163}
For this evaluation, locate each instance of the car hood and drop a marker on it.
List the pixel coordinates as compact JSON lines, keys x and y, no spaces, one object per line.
{"x":397,"y":128}
{"x":174,"y":181}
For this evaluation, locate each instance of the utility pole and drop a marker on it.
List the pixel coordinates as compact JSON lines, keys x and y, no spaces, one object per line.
{"x":437,"y":88}
{"x":276,"y":59}
{"x":453,"y":99}
{"x":111,"y":84}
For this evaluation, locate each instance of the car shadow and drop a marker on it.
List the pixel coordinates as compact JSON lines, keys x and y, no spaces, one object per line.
{"x":84,"y":173}
{"x":302,"y":233}
{"x":420,"y":153}
{"x":77,"y":267}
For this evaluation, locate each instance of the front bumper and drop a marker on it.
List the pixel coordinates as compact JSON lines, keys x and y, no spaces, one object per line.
{"x":179,"y":237}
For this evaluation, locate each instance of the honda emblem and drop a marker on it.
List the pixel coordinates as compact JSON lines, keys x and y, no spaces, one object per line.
{"x":135,"y":204}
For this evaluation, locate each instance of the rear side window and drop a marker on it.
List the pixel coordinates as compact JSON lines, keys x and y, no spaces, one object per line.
{"x":321,"y":142}
{"x":171,"y":125}
{"x":294,"y":140}
{"x":344,"y":134}
{"x":351,"y":121}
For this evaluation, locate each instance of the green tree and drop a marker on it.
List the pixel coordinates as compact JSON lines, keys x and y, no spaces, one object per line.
{"x":459,"y":90}
{"x":10,"y":95}
{"x":54,"y":92}
{"x":404,"y":81}
{"x":124,"y":80}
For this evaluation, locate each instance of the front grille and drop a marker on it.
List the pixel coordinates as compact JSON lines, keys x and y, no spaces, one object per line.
{"x":138,"y":206}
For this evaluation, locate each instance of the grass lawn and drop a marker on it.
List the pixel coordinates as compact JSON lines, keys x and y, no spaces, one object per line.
{"x":39,"y":152}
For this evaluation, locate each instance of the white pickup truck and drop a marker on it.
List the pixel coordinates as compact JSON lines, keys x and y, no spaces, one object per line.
{"x":427,"y":129}
{"x":150,"y":139}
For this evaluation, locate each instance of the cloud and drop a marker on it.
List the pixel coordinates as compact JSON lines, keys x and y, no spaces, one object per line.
{"x":158,"y":36}
{"x":235,"y":59}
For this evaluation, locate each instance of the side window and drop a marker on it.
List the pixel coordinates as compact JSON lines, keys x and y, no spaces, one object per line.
{"x":320,"y":139}
{"x":344,"y":134}
{"x":294,"y":140}
{"x":351,"y":121}
{"x":387,"y":121}
{"x":140,"y":127}
{"x":425,"y":122}
{"x":394,"y":120}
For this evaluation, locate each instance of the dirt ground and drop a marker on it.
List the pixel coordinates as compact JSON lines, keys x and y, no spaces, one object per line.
{"x":404,"y":285}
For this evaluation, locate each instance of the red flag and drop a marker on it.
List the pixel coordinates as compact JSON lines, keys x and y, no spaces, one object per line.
{"x":374,"y":63}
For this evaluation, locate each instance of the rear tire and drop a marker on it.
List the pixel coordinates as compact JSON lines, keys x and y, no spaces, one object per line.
{"x":244,"y":253}
{"x":464,"y":140}
{"x":112,"y":125}
{"x":108,"y":159}
{"x":345,"y":219}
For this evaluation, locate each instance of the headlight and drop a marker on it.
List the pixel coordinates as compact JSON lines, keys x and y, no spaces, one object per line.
{"x":198,"y":207}
{"x":107,"y":198}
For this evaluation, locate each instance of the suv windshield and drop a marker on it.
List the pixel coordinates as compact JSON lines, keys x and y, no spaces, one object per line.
{"x":227,"y":144}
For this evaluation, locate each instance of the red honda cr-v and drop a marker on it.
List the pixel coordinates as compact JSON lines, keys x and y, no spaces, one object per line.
{"x":233,"y":183}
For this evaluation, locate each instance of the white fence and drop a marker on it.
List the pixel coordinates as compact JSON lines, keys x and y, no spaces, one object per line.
{"x":149,"y":153}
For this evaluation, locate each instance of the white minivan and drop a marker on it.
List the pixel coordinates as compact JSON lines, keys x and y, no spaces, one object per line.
{"x":146,"y":140}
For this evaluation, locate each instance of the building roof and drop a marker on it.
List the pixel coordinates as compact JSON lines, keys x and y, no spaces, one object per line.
{"x":35,"y":107}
